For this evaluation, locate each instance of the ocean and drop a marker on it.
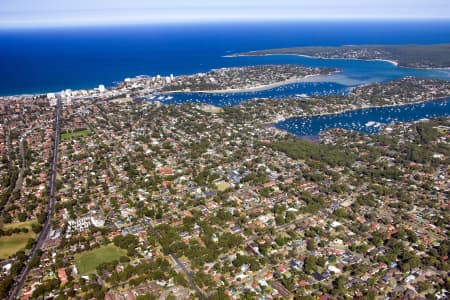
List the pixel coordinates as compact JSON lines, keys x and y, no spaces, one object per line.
{"x":45,"y":60}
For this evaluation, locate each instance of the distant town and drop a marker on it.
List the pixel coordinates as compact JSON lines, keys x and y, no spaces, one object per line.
{"x":410,"y":56}
{"x":106,"y":196}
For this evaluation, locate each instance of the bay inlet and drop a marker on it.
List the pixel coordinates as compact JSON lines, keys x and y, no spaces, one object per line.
{"x":366,"y":120}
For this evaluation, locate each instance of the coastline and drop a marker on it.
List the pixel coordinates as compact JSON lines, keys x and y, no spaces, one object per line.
{"x":227,"y":91}
{"x":372,"y":106}
{"x":243,"y":90}
{"x":313,"y":139}
{"x":251,"y":89}
{"x":393,"y":62}
{"x":240,"y":90}
{"x":273,"y":123}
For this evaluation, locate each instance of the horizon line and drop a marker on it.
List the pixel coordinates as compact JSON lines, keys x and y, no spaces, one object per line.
{"x":112,"y":23}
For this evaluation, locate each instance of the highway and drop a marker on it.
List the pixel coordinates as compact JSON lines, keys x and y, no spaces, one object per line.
{"x":23,"y":274}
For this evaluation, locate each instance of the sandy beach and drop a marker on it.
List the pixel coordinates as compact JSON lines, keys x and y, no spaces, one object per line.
{"x":393,"y":62}
{"x":252,"y":89}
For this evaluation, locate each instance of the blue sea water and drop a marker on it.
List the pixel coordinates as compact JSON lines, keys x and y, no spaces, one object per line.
{"x":43,"y":60}
{"x":367,"y":120}
{"x":227,"y":99}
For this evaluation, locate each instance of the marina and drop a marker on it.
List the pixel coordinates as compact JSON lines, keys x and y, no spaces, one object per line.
{"x":295,"y":90}
{"x":367,"y":120}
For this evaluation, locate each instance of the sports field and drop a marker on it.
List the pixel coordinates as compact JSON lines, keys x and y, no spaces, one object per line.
{"x":75,"y":134}
{"x":88,"y":261}
{"x":9,"y":245}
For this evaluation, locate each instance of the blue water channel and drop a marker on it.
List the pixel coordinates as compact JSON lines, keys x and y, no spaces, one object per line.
{"x":368,"y":120}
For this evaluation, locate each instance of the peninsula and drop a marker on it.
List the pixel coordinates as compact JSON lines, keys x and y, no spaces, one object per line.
{"x":240,"y":79}
{"x":410,"y":56}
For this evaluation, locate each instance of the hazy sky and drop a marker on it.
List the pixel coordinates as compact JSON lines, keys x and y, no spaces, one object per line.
{"x":33,"y":13}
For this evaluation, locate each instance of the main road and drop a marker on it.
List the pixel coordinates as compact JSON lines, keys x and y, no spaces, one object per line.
{"x":23,"y":274}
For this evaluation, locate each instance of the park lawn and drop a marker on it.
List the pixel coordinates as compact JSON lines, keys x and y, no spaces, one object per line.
{"x":26,"y":224}
{"x":9,"y":245}
{"x":75,"y":134}
{"x":212,"y":109}
{"x":222,"y":186}
{"x":88,"y":261}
